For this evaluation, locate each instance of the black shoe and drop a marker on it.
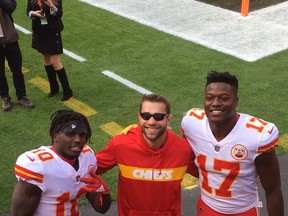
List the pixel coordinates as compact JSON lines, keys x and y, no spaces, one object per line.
{"x":6,"y":104}
{"x":67,"y":97}
{"x":51,"y":94}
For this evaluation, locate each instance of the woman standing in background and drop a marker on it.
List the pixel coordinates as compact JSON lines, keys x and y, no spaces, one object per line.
{"x":46,"y":39}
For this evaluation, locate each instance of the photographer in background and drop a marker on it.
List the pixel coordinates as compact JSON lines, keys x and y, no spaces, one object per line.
{"x":9,"y":49}
{"x":46,"y":39}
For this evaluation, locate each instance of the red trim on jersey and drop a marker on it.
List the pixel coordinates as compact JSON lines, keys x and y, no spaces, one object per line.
{"x":237,"y":117}
{"x":86,"y":149}
{"x":71,"y":162}
{"x":28,"y":174}
{"x":269,"y":146}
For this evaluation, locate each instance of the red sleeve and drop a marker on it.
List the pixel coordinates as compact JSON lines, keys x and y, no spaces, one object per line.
{"x":192,"y":168}
{"x":106,"y":158}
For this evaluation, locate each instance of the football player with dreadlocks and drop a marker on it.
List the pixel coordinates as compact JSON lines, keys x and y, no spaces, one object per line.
{"x":52,"y":179}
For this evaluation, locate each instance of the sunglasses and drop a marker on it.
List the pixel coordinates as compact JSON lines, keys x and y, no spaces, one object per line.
{"x":157,"y":116}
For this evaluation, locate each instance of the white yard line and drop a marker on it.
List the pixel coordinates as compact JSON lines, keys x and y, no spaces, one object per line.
{"x":66,"y":52}
{"x":73,"y":55}
{"x":251,"y":38}
{"x":20,"y":28}
{"x":126,"y":82}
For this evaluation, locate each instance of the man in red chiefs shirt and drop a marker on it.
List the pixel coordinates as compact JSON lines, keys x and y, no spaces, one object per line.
{"x":152,"y":162}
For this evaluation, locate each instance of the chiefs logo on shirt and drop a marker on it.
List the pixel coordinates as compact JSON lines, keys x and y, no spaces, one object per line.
{"x":239,"y":152}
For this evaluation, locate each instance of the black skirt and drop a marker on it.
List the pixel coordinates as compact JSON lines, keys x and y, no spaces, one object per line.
{"x":47,"y":42}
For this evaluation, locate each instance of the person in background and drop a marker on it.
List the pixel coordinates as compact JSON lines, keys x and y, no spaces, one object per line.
{"x":52,"y":179}
{"x":232,"y":151}
{"x":46,"y":39}
{"x":10,"y":50}
{"x":152,"y":162}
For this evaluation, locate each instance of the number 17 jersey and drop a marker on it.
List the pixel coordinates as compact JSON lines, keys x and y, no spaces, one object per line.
{"x":227,"y":173}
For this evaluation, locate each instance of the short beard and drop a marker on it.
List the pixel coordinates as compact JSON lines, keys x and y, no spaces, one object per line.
{"x":159,"y":134}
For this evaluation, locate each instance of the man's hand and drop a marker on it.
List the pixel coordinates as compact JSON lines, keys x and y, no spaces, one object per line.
{"x":95,"y":184}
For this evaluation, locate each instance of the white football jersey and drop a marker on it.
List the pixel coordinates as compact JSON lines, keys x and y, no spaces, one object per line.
{"x":227,"y":172}
{"x":57,"y":179}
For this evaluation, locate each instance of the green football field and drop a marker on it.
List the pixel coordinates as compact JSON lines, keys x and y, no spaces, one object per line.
{"x":151,"y":59}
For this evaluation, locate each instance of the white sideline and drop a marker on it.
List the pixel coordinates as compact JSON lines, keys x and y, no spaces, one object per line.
{"x":262,"y":33}
{"x":66,"y":52}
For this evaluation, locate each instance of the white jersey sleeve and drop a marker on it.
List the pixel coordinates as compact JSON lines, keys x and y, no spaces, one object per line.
{"x":269,"y":137}
{"x":29,"y":168}
{"x":227,"y":173}
{"x":58,"y":180}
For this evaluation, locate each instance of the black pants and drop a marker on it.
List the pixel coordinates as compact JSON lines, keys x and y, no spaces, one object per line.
{"x":14,"y":58}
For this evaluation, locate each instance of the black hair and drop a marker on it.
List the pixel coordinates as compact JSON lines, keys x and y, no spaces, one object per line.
{"x":61,"y":118}
{"x":155,"y":98}
{"x":225,"y":77}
